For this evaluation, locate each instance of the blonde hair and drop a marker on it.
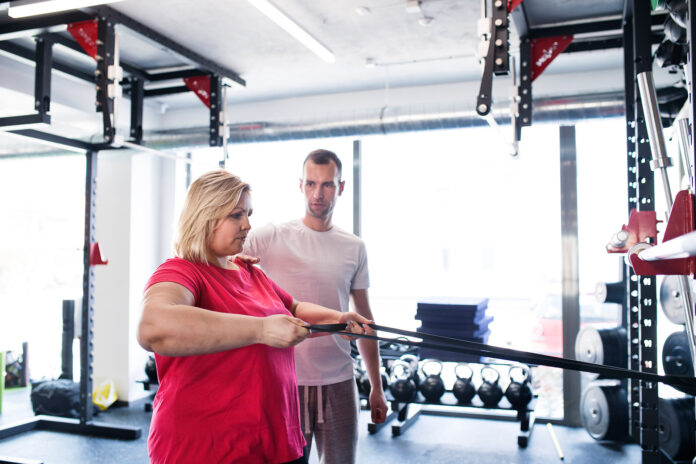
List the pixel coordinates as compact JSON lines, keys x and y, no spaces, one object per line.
{"x":210,"y":198}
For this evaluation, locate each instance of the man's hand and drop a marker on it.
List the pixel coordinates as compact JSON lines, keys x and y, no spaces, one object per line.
{"x":355,"y":323}
{"x":248,"y":259}
{"x":378,"y":404}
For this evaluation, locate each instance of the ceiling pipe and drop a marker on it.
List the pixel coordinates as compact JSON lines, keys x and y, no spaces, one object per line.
{"x":558,"y":110}
{"x":566,"y":109}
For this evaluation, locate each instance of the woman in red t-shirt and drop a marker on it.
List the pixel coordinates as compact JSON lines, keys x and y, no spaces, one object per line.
{"x":223,"y":337}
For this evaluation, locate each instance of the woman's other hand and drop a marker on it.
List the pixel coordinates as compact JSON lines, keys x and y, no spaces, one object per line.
{"x":281,"y":331}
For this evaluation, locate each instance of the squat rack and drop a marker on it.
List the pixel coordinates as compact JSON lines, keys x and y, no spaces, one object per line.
{"x":635,"y":31}
{"x":97,"y":26}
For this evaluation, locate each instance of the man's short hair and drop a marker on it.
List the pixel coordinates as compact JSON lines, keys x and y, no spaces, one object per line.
{"x":322,"y":156}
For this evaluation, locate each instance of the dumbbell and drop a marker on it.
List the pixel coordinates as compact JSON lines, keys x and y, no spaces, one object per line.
{"x":432,"y":387}
{"x":463,"y":388}
{"x":489,"y":391}
{"x":519,"y":392}
{"x":402,"y":386}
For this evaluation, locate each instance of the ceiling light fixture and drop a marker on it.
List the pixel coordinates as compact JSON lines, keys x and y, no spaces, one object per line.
{"x":24,"y":8}
{"x":426,"y":21}
{"x":291,"y":27}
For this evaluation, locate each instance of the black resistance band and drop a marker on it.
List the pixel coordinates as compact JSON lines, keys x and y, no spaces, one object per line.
{"x":682,"y":383}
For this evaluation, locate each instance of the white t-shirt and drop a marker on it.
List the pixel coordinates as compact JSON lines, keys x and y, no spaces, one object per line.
{"x":317,"y":267}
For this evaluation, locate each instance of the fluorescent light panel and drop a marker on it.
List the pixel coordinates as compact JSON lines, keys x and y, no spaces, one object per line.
{"x":282,"y":20}
{"x":24,"y":8}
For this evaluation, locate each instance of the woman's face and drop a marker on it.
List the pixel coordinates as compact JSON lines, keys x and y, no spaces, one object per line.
{"x":231,"y":231}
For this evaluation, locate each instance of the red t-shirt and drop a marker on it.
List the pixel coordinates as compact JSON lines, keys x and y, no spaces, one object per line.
{"x":238,"y":405}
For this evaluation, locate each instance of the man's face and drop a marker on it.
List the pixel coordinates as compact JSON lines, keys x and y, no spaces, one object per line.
{"x":321,"y":188}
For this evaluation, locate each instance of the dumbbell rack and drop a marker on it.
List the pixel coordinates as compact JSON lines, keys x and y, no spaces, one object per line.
{"x":406,"y":413}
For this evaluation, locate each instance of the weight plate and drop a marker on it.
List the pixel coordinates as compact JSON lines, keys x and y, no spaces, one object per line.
{"x":670,"y":299}
{"x":589,"y":346}
{"x":614,"y":292}
{"x":604,"y":412}
{"x":615,"y":342}
{"x":595,"y":412}
{"x":605,"y":346}
{"x":677,"y":424}
{"x":676,"y":356}
{"x":601,"y":292}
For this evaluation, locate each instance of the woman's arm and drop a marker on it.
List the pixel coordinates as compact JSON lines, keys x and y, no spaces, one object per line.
{"x":171,"y":326}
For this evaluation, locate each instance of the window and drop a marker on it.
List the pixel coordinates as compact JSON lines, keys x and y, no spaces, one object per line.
{"x":41,"y":243}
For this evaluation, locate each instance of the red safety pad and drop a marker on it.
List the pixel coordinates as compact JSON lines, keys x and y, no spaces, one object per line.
{"x":545,"y":49}
{"x":681,"y":217}
{"x":85,"y":33}
{"x":95,"y":256}
{"x":512,"y":4}
{"x":200,"y":85}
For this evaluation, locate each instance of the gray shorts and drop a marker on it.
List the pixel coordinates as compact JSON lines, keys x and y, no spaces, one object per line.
{"x":329,"y":414}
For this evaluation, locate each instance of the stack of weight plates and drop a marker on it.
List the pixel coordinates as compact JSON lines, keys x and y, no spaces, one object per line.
{"x":602,"y":346}
{"x":462,"y":318}
{"x":604,"y":412}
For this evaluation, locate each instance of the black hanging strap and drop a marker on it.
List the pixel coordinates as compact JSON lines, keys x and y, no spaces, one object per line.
{"x":681,"y":383}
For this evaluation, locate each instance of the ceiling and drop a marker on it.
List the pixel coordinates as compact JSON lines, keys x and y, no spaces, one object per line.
{"x":433,"y":65}
{"x":275,"y":65}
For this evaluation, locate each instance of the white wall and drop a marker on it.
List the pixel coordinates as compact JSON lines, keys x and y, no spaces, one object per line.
{"x":135,"y":204}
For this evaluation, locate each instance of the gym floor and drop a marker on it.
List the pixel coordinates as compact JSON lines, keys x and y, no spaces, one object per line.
{"x":431,"y":439}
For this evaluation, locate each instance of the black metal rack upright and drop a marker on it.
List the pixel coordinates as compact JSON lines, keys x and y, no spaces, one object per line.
{"x":641,"y":317}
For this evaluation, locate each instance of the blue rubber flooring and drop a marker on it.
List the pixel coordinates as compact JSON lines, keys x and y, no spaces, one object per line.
{"x":431,"y":439}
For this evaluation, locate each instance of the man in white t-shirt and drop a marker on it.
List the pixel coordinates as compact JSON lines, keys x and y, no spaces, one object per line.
{"x":315,"y":261}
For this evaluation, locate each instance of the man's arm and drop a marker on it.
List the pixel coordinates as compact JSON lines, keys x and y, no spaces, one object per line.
{"x":369,"y":351}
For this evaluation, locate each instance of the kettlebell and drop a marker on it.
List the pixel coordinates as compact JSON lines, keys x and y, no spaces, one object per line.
{"x":385,"y":378}
{"x":357,"y":374}
{"x":463,"y":388}
{"x":396,"y":347}
{"x":151,"y":370}
{"x":519,"y":392}
{"x":432,"y":387}
{"x":402,"y":387}
{"x":364,"y":380}
{"x":412,"y":361}
{"x":489,"y":391}
{"x":365,"y":383}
